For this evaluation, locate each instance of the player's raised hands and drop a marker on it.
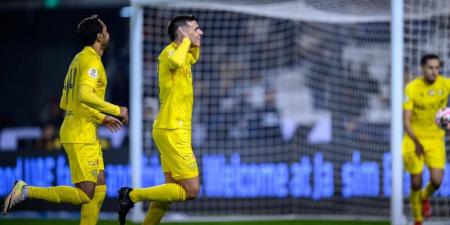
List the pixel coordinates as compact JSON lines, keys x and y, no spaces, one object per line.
{"x":112,"y":123}
{"x":124,"y":114}
{"x":182,"y":34}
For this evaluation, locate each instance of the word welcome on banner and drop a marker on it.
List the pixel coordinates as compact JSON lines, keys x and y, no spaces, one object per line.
{"x":228,"y":177}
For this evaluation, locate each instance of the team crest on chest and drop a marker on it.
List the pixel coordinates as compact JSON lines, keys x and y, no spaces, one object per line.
{"x":431,"y":92}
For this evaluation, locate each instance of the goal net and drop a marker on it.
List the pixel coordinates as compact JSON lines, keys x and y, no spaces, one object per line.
{"x":292,"y":103}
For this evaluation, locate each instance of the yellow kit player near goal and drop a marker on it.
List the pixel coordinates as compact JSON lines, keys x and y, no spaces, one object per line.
{"x":172,"y":127}
{"x":83,"y":101}
{"x":423,"y":142}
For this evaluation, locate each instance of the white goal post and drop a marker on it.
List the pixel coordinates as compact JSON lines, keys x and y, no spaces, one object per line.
{"x":396,"y":111}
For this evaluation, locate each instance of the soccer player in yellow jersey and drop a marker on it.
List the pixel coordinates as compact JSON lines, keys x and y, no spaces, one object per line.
{"x":83,"y":101}
{"x":424,"y":140}
{"x":172,"y":127}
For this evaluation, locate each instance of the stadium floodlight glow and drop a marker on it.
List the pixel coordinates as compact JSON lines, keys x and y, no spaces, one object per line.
{"x":126,"y":12}
{"x":51,"y":4}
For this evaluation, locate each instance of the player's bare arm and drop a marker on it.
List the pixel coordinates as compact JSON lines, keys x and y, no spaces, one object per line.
{"x":410,"y":132}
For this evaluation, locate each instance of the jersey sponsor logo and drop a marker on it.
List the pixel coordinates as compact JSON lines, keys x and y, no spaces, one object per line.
{"x":92,"y":163}
{"x":93,"y":72}
{"x":429,"y":106}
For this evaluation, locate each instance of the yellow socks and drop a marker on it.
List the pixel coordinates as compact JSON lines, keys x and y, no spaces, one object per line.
{"x":427,"y":191}
{"x":91,"y":210}
{"x":58,"y":194}
{"x":416,"y":205}
{"x":161,"y":196}
{"x":163,"y":193}
{"x":156,"y":213}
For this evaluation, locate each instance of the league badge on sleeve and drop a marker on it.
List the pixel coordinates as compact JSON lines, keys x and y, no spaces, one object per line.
{"x":92,"y":72}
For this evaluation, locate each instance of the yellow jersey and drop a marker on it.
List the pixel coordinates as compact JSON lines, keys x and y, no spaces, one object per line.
{"x":176,"y":92}
{"x":424,"y":100}
{"x":81,"y":121}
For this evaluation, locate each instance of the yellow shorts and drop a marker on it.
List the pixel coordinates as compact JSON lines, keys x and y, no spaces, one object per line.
{"x":85,"y":161}
{"x":176,"y":152}
{"x":434,"y":156}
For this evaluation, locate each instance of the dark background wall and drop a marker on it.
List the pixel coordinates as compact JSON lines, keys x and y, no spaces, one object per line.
{"x":37,"y":46}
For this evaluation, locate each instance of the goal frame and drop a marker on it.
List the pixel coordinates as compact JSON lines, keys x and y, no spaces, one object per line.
{"x":136,"y":101}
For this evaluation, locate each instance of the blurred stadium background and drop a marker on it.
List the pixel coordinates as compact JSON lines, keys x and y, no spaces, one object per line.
{"x":292,"y":104}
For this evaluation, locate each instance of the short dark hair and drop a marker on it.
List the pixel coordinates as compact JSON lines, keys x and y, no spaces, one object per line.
{"x":88,"y":29}
{"x":177,"y":22}
{"x":426,"y":57}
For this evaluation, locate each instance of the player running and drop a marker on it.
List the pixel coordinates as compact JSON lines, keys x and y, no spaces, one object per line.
{"x":83,"y":101}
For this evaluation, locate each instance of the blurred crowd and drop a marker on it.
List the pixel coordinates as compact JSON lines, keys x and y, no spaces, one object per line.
{"x":276,"y":81}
